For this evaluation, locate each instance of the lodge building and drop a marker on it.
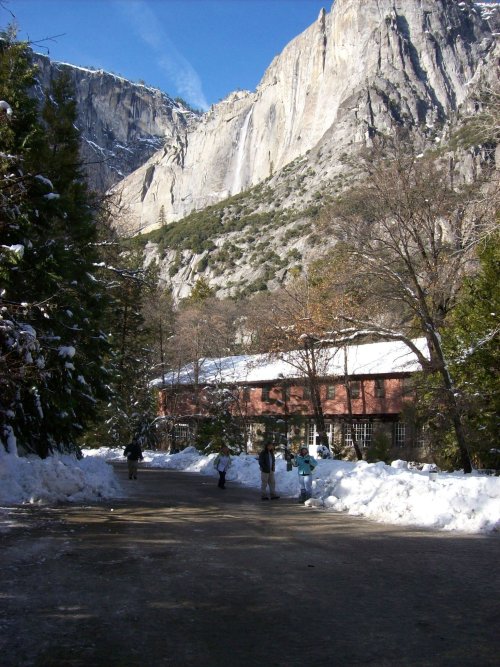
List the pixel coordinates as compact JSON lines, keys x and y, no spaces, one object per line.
{"x":271,"y":397}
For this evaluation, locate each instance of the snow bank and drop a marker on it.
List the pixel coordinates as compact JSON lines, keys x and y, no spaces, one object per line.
{"x":57,"y":478}
{"x":388,"y":494}
{"x":398,"y":496}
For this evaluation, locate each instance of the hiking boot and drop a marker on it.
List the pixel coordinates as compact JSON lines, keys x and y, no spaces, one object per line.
{"x":264,"y":498}
{"x":274,"y":497}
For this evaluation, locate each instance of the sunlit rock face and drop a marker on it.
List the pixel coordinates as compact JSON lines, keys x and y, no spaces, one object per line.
{"x":362,"y":67}
{"x":122,"y":123}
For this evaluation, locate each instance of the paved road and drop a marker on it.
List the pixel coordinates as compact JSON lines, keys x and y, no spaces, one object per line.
{"x":182,"y":574}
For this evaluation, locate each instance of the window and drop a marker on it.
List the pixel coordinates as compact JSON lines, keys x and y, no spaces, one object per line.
{"x":312,"y":433}
{"x":355,"y":387}
{"x":306,"y":392}
{"x":421,"y":436}
{"x":182,"y":432}
{"x":330,"y":392}
{"x":379,"y":388}
{"x":363,"y":432}
{"x":246,"y":394}
{"x":265,"y":394}
{"x":285,"y":393}
{"x":400,"y":430}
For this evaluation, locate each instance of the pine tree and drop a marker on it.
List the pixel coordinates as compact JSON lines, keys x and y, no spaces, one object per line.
{"x":472,"y":341}
{"x":21,"y":360}
{"x":131,"y":356}
{"x":201,"y":292}
{"x":162,"y":219}
{"x":52,"y":296}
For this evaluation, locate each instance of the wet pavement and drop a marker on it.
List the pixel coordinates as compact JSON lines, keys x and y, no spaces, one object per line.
{"x":182,"y":574}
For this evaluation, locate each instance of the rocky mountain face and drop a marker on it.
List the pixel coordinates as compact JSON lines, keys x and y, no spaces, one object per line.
{"x":122,"y":123}
{"x":235,"y":196}
{"x":232,"y":194}
{"x":361,"y":67}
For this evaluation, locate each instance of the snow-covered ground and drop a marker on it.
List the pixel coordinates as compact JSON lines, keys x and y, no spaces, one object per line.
{"x":389,"y":494}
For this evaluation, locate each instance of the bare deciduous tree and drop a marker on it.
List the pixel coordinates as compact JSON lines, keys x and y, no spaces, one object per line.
{"x":411,"y":236}
{"x":288,"y":322}
{"x":203,"y":329}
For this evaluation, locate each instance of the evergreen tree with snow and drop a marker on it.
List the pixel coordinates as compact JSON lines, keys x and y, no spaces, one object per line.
{"x":51,"y":295}
{"x":131,"y":354}
{"x":472,"y":340}
{"x":21,"y":136}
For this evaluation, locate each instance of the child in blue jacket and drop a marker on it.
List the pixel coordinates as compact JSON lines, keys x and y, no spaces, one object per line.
{"x":305,"y":463}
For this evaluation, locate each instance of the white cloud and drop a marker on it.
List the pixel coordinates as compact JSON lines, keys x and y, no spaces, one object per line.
{"x":177,"y":68}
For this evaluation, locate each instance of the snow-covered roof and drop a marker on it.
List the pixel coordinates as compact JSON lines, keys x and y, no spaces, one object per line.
{"x":368,"y":359}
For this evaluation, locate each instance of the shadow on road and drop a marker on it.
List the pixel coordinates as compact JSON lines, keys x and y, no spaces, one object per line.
{"x":179,"y":573}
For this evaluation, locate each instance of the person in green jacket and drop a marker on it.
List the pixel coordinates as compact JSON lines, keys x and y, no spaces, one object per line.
{"x":305,"y":463}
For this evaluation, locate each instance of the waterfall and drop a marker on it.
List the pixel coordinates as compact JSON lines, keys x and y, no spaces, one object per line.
{"x":237,"y":180}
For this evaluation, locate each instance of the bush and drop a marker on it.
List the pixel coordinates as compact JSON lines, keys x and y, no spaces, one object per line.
{"x":379,"y":449}
{"x":198,"y":230}
{"x":202,"y":264}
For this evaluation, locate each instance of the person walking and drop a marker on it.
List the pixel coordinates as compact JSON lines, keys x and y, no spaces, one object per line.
{"x":133,"y":452}
{"x":222,"y":463}
{"x":267,"y":464}
{"x":305,"y":464}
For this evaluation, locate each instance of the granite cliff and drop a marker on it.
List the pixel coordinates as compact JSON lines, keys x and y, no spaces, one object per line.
{"x":230,"y":195}
{"x":122,"y":123}
{"x":360,"y":68}
{"x":233,"y":200}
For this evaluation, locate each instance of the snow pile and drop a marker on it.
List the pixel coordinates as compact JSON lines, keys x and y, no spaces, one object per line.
{"x":389,"y":494}
{"x":56,"y":478}
{"x":406,"y":497}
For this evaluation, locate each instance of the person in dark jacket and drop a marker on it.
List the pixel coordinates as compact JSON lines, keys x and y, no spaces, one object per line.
{"x":133,"y":452}
{"x":267,"y":464}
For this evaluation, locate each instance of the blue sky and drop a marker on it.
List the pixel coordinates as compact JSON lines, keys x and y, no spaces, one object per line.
{"x":199,"y":50}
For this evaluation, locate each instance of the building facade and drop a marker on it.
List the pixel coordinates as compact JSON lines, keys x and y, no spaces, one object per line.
{"x":265,"y":397}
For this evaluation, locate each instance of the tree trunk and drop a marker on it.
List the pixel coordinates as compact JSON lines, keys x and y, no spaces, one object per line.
{"x":354,"y":440}
{"x":124,"y":334}
{"x":162,"y":355}
{"x":318,"y":416}
{"x":173,"y":444}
